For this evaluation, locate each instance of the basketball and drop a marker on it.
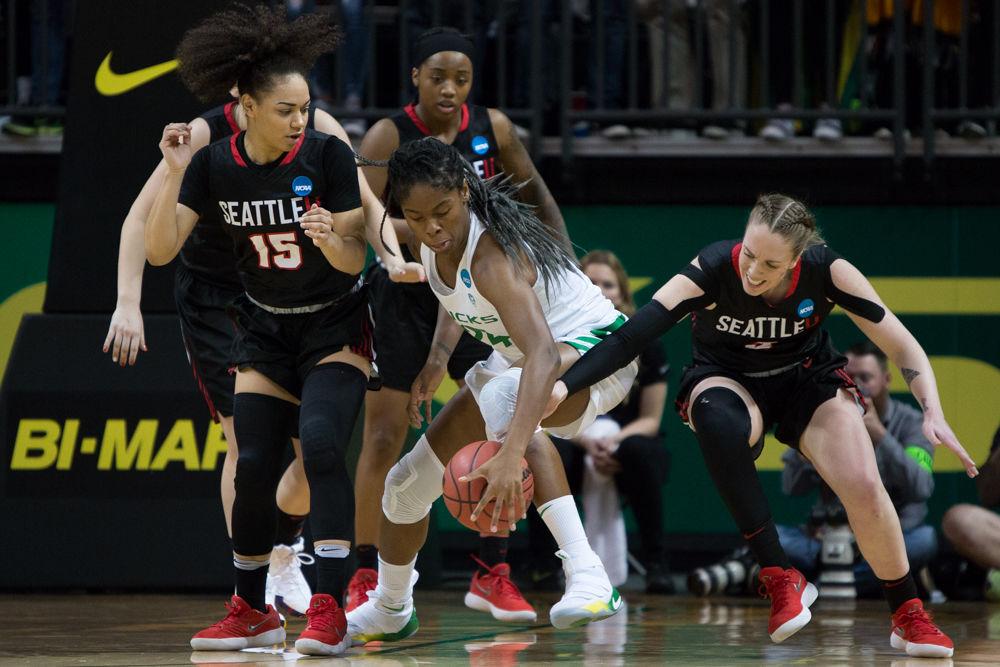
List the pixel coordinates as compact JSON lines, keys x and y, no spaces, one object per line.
{"x":462,"y":497}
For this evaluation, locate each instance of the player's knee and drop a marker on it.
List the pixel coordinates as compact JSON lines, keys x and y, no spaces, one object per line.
{"x":863,"y":491}
{"x":412,"y":485}
{"x":254,"y":473}
{"x":721,"y":419}
{"x":497,"y":401}
{"x":382,"y":445}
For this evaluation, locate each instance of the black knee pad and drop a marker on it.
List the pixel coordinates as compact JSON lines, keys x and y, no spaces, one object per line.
{"x":261,"y":424}
{"x":720,"y":414}
{"x":332,"y":395}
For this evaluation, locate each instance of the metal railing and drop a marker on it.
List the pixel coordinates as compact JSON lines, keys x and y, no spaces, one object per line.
{"x":572,"y":86}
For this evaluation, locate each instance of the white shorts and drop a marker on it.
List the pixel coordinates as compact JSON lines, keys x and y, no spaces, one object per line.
{"x":604,"y":395}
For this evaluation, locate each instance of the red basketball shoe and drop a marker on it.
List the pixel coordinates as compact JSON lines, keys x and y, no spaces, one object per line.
{"x":496,"y":593}
{"x":243,"y":627}
{"x":791,"y":596}
{"x":363,"y":582}
{"x":914,"y":631}
{"x":326,"y":628}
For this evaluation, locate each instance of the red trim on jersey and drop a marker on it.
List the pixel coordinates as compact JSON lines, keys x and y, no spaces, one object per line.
{"x":411,"y":111}
{"x":736,"y":259}
{"x":202,"y":389}
{"x":295,"y":150}
{"x":465,"y":118}
{"x":228,"y":111}
{"x":795,"y":279}
{"x":236,"y":151}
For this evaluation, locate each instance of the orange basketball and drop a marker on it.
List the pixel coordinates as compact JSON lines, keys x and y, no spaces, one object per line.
{"x":462,"y":497}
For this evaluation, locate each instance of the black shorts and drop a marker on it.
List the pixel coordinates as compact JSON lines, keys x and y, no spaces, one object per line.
{"x":788,"y":400}
{"x":286,"y":347}
{"x":208,"y":334}
{"x":405,"y":316}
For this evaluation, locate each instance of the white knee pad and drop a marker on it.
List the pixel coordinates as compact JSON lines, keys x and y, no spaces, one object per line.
{"x":497,"y":401}
{"x":413,"y":484}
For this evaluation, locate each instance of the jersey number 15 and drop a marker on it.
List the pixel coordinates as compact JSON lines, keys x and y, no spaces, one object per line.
{"x":278,"y":250}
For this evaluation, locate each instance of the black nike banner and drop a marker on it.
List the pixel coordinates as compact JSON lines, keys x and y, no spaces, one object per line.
{"x":124,"y":89}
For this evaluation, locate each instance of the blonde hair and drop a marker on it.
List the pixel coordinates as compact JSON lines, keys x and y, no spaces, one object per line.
{"x":609,"y":259}
{"x":789,"y":218}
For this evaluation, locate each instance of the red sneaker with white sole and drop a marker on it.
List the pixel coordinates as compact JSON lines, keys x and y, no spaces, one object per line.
{"x":495,"y":593}
{"x":361,"y":584}
{"x":914,"y":631}
{"x":326,"y":628}
{"x":791,"y":595}
{"x":243,"y":627}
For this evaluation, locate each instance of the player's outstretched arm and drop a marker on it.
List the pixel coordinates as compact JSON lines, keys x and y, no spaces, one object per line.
{"x":852,"y":291}
{"x":126,"y":334}
{"x":671,"y":304}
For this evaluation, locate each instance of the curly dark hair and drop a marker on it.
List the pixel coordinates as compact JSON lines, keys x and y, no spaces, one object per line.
{"x":249,"y":45}
{"x":513,"y":224}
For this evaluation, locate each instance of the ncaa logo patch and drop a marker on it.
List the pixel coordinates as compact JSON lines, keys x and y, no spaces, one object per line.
{"x":466,"y":277}
{"x":805,"y":308}
{"x":302,"y":186}
{"x":480,"y":145}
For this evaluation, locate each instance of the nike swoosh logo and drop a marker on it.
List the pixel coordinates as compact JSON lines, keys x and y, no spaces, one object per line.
{"x":109,"y":83}
{"x":252,"y":628}
{"x":394,"y":610}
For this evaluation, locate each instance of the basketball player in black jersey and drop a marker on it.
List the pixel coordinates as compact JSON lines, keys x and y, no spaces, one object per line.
{"x":762,"y":359}
{"x":405,"y":315}
{"x":289,"y":199}
{"x":206,"y":282}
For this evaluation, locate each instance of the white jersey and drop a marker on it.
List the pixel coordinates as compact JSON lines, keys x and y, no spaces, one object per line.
{"x":575,"y":309}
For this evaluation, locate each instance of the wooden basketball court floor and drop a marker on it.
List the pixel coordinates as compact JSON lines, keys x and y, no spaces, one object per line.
{"x":153,"y":630}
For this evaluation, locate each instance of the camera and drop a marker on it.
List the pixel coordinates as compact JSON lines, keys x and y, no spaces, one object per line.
{"x":734,"y":574}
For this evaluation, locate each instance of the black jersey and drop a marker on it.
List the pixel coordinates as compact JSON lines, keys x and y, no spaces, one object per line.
{"x":260,"y":209}
{"x":745,"y":332}
{"x":208,"y":251}
{"x":475,"y":139}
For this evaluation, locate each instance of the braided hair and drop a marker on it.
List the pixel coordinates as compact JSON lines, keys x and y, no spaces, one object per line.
{"x":250,"y":45}
{"x":788,"y":218}
{"x":512,"y":223}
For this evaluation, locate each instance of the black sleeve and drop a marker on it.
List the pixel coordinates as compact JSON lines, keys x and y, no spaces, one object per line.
{"x":854,"y":304}
{"x":195,"y":187}
{"x":653,"y":365}
{"x":620,"y":348}
{"x":342,"y":193}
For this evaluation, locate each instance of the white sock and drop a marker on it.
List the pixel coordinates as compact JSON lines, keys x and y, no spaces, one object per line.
{"x":563,"y":519}
{"x":395,"y":582}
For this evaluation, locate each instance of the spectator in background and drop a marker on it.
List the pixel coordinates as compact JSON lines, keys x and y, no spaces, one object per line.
{"x":722,"y":17}
{"x":975,"y":531}
{"x":354,"y":62}
{"x":625,"y":449}
{"x":905,"y":462}
{"x":49,"y":35}
{"x":784,"y":69}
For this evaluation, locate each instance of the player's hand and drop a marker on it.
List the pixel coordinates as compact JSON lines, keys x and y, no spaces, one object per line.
{"x":126,"y":335}
{"x":422,"y":390}
{"x":318,"y":225}
{"x":406,"y":272}
{"x":175,"y":144}
{"x":937,"y":431}
{"x":503,"y":484}
{"x":607,"y":464}
{"x":556,"y":398}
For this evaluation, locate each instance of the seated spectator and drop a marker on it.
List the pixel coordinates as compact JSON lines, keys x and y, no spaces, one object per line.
{"x":625,"y":449}
{"x":975,"y":531}
{"x":905,"y":461}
